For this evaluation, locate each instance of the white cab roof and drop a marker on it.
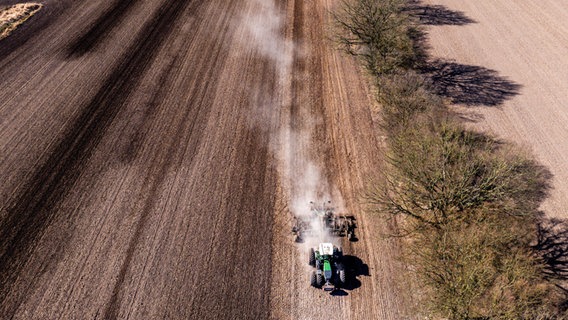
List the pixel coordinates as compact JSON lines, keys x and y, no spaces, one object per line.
{"x":326,"y":248}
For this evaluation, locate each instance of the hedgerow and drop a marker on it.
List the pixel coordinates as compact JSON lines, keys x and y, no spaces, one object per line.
{"x":465,"y":203}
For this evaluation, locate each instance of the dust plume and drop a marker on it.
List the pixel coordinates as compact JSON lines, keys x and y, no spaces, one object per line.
{"x":265,"y":24}
{"x":291,"y":144}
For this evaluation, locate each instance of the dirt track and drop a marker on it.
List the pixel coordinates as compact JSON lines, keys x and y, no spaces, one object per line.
{"x":344,"y":142}
{"x":509,"y":57}
{"x":135,"y":184}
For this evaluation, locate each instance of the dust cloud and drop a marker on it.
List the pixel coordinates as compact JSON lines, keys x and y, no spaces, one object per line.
{"x":291,"y":145}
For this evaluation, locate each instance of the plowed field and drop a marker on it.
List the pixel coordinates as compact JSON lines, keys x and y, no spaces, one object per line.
{"x":141,"y":162}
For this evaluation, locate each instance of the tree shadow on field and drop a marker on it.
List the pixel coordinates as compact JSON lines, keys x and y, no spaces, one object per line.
{"x":354,"y":268}
{"x":437,"y":15}
{"x":552,"y":246}
{"x":469,"y":85}
{"x":462,"y":84}
{"x":420,"y":45}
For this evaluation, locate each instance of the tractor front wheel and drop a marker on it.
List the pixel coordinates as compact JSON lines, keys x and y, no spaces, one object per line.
{"x":312,"y":258}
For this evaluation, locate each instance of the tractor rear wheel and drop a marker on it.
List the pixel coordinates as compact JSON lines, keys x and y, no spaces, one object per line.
{"x":319,"y":279}
{"x":312,"y":258}
{"x":313,"y":279}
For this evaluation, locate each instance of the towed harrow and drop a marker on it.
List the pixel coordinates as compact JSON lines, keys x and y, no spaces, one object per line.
{"x":323,"y":217}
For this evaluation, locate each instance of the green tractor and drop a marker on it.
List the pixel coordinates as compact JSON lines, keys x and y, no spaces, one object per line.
{"x":330,"y":272}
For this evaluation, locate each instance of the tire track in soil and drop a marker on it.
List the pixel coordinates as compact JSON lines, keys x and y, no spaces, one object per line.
{"x":237,"y":289}
{"x":188,"y":122}
{"x":31,"y":211}
{"x":154,"y":181}
{"x":330,"y":95}
{"x":299,"y":66}
{"x":101,"y":27}
{"x":238,"y":260}
{"x":306,"y":115}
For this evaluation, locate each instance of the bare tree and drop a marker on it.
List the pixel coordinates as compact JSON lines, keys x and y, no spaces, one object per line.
{"x":377,"y":32}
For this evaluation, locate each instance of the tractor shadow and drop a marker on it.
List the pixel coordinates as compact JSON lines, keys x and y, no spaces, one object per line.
{"x":469,"y":85}
{"x":353,"y":229}
{"x":437,"y":15}
{"x":354,"y":268}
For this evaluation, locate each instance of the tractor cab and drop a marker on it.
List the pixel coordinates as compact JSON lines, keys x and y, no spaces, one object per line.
{"x":326,"y":249}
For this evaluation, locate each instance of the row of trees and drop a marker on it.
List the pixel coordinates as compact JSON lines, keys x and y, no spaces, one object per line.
{"x":465,"y":204}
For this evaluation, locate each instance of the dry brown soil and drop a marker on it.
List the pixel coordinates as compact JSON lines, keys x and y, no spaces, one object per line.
{"x":510,"y":57}
{"x":136,"y":186}
{"x":346,"y":143}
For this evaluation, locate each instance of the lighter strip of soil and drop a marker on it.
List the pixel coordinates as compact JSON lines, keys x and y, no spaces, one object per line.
{"x":524,"y":42}
{"x":13,"y":16}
